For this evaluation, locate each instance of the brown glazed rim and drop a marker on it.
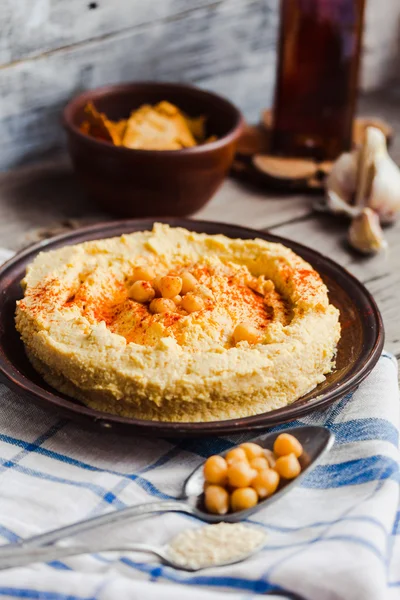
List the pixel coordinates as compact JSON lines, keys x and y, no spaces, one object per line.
{"x":69,"y":112}
{"x":22,"y":384}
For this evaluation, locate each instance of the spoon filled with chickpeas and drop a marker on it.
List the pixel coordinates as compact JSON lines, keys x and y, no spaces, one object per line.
{"x":249,"y":473}
{"x":227,"y":487}
{"x":252,"y":475}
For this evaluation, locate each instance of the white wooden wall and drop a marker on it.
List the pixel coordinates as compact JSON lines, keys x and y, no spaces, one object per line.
{"x":50,"y":50}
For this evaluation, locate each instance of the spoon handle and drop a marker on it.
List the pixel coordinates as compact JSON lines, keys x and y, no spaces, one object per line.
{"x":22,"y":556}
{"x":111,"y":518}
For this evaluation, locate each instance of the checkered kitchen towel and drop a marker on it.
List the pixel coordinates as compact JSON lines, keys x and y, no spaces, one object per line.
{"x":335,"y":537}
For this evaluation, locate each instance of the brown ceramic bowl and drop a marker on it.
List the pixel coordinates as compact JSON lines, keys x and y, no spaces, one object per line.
{"x":359,"y":348}
{"x":153,"y":182}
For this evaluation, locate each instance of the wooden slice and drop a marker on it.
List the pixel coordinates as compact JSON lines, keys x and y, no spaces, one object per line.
{"x":325,"y":167}
{"x":238,"y":166}
{"x":254,"y":140}
{"x":315,"y":183}
{"x":289,"y":169}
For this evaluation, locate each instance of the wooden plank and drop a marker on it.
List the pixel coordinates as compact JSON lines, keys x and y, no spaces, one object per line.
{"x":43,"y":195}
{"x":212,"y":45}
{"x":37,"y":197}
{"x":52,"y":49}
{"x":31,"y":28}
{"x":380,"y":64}
{"x":252,"y":207}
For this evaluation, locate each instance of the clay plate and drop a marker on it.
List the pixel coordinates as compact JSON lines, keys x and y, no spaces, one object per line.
{"x":359,"y":348}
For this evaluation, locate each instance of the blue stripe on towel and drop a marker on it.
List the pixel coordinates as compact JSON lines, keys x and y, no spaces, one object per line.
{"x":28,"y":447}
{"x":144,"y":483}
{"x":396,"y":524}
{"x":13,"y":538}
{"x":96,"y":489}
{"x":346,"y":432}
{"x":333,"y":538}
{"x":287,"y":529}
{"x":353,"y":472}
{"x":260,"y":586}
{"x":9,"y":535}
{"x":39,"y":595}
{"x":357,"y":430}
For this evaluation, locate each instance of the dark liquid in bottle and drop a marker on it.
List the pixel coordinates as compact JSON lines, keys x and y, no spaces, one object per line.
{"x":319,"y":55}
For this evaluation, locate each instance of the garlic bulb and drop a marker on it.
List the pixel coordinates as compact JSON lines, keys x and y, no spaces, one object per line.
{"x":365,"y":233}
{"x":366,"y":177}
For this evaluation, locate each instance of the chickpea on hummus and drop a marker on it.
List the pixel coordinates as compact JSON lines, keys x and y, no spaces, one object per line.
{"x":173,"y":325}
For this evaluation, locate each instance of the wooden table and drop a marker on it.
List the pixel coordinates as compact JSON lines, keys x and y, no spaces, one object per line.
{"x":47,"y":195}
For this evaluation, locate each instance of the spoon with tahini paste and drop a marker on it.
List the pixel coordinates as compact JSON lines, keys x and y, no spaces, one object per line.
{"x":194,"y":549}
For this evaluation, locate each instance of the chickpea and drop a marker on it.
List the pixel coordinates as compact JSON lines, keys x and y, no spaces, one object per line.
{"x":216,"y":499}
{"x":252,"y":450}
{"x":265,"y":483}
{"x":259,"y":463}
{"x":288,"y":466}
{"x":287,"y":444}
{"x":215,"y":470}
{"x":170,"y":286}
{"x":240,"y":474}
{"x":235,"y":455}
{"x":243,"y":498}
{"x":268,"y":286}
{"x":189,"y":282}
{"x":177,"y":300}
{"x":143,"y":273}
{"x":270,"y":456}
{"x":141,"y":291}
{"x":192,"y":303}
{"x":246,"y":333}
{"x":162,"y":305}
{"x":156,"y":284}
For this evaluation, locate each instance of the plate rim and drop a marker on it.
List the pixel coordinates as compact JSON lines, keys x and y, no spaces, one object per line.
{"x":20,"y":383}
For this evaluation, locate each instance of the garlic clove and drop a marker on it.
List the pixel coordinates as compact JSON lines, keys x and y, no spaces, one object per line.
{"x":336,"y":205}
{"x":378,"y":181}
{"x":341,"y":183}
{"x":365,"y":233}
{"x":366,"y":166}
{"x":385,"y":191}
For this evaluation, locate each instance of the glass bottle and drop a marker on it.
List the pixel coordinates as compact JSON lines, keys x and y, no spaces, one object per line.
{"x":317,"y":77}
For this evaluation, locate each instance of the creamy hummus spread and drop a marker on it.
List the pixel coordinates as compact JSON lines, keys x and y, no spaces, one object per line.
{"x":177,"y":326}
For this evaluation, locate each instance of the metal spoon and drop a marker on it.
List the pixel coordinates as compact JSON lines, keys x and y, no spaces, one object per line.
{"x":316,"y":441}
{"x":27,"y":556}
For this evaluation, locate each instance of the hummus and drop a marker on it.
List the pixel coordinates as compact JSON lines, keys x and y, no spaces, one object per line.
{"x":189,"y":362}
